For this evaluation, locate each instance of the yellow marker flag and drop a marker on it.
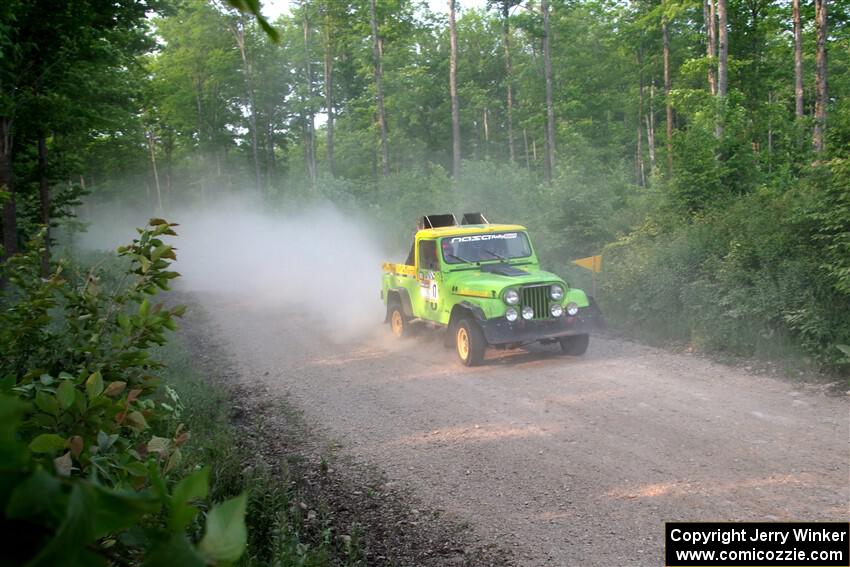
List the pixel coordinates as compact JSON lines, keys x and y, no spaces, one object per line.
{"x":592,"y":263}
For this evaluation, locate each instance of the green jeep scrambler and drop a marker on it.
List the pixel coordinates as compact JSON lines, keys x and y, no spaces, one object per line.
{"x":484,"y":283}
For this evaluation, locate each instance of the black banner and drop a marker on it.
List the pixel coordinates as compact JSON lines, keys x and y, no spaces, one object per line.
{"x":757,"y":544}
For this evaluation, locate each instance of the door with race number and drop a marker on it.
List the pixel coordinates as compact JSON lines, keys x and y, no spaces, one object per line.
{"x":430,"y":280}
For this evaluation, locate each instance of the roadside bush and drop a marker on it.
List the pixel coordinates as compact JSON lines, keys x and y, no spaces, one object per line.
{"x":761,"y":277}
{"x":88,"y":457}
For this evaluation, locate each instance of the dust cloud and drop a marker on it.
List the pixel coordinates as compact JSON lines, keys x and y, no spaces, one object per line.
{"x":318,"y":262}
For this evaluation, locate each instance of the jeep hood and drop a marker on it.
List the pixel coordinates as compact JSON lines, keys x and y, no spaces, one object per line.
{"x":495,"y":280}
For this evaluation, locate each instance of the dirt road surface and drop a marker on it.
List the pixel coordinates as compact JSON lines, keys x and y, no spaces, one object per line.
{"x":566,"y":461}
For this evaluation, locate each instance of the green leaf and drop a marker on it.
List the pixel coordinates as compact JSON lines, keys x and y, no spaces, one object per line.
{"x":7,"y":383}
{"x":144,"y":309}
{"x":47,"y":402}
{"x":136,"y":468}
{"x":175,"y":551}
{"x":47,"y":443}
{"x":39,"y":495}
{"x":68,"y":546}
{"x":124,"y":321}
{"x":65,"y":394}
{"x":226,"y":533}
{"x":13,"y":452}
{"x":118,"y":510}
{"x":94,"y":385}
{"x":160,"y":252}
{"x":46,"y":379}
{"x":195,"y":486}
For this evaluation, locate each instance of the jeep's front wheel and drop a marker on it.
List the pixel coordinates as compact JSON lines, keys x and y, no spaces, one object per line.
{"x":574,"y":345}
{"x":469,"y":342}
{"x":399,"y":323}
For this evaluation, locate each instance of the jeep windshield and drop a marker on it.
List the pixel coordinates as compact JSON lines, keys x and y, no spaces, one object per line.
{"x":500,"y":246}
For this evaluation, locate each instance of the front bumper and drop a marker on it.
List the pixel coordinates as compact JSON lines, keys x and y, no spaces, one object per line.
{"x":500,"y":331}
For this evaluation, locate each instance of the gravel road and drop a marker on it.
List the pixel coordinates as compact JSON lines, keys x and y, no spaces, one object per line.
{"x":567,"y":461}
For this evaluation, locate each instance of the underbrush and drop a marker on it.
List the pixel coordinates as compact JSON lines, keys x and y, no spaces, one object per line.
{"x":759,"y":277}
{"x":114,"y":448}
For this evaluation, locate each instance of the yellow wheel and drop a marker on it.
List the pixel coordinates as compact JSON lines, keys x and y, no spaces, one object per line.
{"x":462,"y":343}
{"x":470,"y":342}
{"x":399,"y":323}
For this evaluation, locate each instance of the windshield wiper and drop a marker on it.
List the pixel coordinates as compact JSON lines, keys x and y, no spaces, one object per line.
{"x":456,"y":257}
{"x":493,"y":254}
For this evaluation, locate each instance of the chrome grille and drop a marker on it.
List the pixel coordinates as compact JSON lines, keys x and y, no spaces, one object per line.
{"x":537,"y":297}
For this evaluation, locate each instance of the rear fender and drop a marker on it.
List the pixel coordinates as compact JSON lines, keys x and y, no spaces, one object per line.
{"x":399,"y":294}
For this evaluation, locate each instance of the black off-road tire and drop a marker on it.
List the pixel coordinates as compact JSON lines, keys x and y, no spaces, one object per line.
{"x":470,"y":344}
{"x":399,"y":322}
{"x":574,"y":345}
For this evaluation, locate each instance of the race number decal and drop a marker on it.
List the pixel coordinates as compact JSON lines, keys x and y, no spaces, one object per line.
{"x":428,"y":288}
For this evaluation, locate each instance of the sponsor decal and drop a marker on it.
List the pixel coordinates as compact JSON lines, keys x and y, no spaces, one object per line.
{"x":428,"y":286}
{"x":482,"y":237}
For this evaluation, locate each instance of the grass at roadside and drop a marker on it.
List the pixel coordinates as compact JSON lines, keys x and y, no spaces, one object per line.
{"x":219,"y":439}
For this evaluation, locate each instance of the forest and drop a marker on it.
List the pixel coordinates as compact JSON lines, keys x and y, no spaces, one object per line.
{"x":702,"y":148}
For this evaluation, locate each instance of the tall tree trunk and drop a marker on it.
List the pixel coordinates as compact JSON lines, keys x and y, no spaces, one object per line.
{"x":506,"y":34}
{"x":710,"y":17}
{"x":329,"y":87}
{"x":722,"y":67}
{"x":379,"y":93}
{"x":639,"y":169}
{"x":152,"y":148}
{"x":168,"y":148}
{"x":7,"y":186}
{"x":770,"y":133}
{"x":270,"y":146}
{"x":820,"y":77}
{"x":247,"y":64}
{"x":202,"y":147}
{"x":550,"y":110}
{"x":453,"y":92}
{"x":310,"y":117}
{"x":665,"y":33}
{"x":525,"y":141}
{"x":798,"y":59}
{"x":44,"y":201}
{"x":650,"y":128}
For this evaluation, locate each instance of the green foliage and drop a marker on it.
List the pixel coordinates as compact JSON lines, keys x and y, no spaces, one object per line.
{"x":747,"y":279}
{"x":84,"y":459}
{"x":829,"y":216}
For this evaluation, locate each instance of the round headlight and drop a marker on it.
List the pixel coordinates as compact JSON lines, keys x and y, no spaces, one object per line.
{"x":556,"y":310}
{"x":556,"y":292}
{"x":512,"y":297}
{"x":527,"y":312}
{"x":572,"y":309}
{"x":511,"y":314}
